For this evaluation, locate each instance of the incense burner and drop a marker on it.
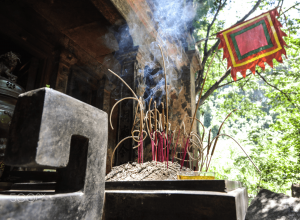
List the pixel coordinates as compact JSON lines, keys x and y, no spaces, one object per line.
{"x":9,"y":92}
{"x":195,"y":175}
{"x":175,"y":199}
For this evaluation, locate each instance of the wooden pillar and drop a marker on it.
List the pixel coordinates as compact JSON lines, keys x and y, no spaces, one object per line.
{"x":126,"y":108}
{"x":66,"y":61}
{"x":34,"y":64}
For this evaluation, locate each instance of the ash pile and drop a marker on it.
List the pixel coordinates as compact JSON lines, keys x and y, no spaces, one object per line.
{"x":153,"y":170}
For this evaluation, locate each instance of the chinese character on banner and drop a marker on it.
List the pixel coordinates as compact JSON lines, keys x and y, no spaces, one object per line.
{"x":252,"y":43}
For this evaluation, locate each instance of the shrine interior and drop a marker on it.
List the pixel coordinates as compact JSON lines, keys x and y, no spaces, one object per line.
{"x":101,"y":103}
{"x":69,"y":46}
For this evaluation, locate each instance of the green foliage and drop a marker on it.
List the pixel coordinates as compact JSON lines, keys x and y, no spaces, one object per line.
{"x":267,"y":122}
{"x":204,"y":15}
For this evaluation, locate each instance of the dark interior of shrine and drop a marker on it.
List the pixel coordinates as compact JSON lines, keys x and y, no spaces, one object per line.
{"x":61,"y":45}
{"x":69,"y":46}
{"x":86,"y":73}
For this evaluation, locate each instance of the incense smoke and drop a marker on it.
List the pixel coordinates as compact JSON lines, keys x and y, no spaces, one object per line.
{"x":173,"y":21}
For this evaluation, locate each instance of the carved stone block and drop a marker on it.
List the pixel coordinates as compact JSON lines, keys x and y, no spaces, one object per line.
{"x":51,"y":129}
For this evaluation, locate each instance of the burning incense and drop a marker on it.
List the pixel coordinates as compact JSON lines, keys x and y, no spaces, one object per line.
{"x":166,"y":89}
{"x":140,"y":136}
{"x":213,"y":149}
{"x":187,"y":142}
{"x":112,"y":156}
{"x":163,"y":117}
{"x":136,"y":111}
{"x":162,"y":129}
{"x":141,"y":148}
{"x":168,"y":148}
{"x":162,"y":137}
{"x":241,"y":148}
{"x":123,"y":82}
{"x":150,"y":126}
{"x":159,"y":122}
{"x":155,"y":117}
{"x":141,"y":119}
{"x":116,"y":105}
{"x":155,"y":128}
{"x":176,"y":146}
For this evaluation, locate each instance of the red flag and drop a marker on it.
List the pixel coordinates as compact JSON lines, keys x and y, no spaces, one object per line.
{"x":252,"y":43}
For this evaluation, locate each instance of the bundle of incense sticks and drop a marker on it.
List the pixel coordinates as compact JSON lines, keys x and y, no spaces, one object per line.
{"x":162,"y":136}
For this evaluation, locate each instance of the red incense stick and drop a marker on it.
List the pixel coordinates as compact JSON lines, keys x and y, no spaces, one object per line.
{"x":185,"y":148}
{"x":175,"y":146}
{"x":152,"y":147}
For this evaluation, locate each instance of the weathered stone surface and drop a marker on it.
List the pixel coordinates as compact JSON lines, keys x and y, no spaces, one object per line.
{"x":51,"y":129}
{"x":273,"y":206}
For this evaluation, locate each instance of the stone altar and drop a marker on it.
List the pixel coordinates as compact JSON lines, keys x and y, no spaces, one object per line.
{"x":175,"y":199}
{"x":52,"y":130}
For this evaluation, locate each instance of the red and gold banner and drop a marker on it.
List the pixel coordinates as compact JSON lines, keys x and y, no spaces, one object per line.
{"x":252,"y":43}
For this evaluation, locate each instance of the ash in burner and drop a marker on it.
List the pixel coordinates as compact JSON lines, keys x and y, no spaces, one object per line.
{"x":144,"y":171}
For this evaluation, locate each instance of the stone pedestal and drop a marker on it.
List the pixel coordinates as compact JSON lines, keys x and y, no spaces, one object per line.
{"x":52,"y":130}
{"x":177,"y":199}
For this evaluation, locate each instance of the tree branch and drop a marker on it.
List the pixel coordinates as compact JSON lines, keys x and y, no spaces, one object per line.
{"x":250,"y":12}
{"x":221,"y":61}
{"x":218,"y":42}
{"x":242,"y":87}
{"x":290,"y":8}
{"x":233,"y":81}
{"x":280,"y":7}
{"x":288,"y":98}
{"x":214,"y":86}
{"x":211,"y":24}
{"x":199,"y":79}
